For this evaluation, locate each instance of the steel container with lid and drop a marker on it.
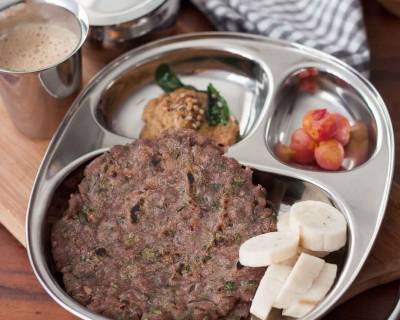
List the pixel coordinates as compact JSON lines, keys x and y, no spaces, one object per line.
{"x":113,"y":22}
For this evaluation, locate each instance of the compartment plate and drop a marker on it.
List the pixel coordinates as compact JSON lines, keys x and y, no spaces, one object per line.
{"x":84,"y":134}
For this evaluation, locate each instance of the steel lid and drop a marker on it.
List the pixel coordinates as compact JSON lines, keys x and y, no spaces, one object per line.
{"x":106,"y":12}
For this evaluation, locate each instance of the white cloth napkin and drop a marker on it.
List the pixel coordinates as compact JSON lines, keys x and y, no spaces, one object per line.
{"x":333,"y":26}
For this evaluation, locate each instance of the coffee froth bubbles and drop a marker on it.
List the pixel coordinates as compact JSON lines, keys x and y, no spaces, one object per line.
{"x":30,"y":46}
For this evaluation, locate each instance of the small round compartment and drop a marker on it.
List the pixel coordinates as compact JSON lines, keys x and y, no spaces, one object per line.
{"x":241,"y":81}
{"x":311,"y":88}
{"x":283,"y":191}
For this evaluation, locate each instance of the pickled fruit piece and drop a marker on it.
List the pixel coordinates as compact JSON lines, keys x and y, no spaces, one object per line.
{"x":308,"y":80}
{"x":320,"y":124}
{"x":358,"y":146}
{"x":283,"y":152}
{"x":303,"y":147}
{"x":343,"y":129}
{"x":329,"y":155}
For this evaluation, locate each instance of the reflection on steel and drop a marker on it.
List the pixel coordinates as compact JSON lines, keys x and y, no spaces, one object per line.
{"x":106,"y":32}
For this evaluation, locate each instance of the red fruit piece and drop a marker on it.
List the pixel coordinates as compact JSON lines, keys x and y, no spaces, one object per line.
{"x":320,"y":124}
{"x":308,"y":80}
{"x":343,"y":129}
{"x":283,"y":152}
{"x":329,"y":155}
{"x":303,"y":147}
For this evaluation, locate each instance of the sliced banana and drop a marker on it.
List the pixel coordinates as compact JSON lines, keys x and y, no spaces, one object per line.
{"x":269,"y":287}
{"x":313,"y":296}
{"x":275,"y":314}
{"x":283,"y":224}
{"x":266,"y":249}
{"x":292,"y":261}
{"x":319,"y":254}
{"x":322,"y":227}
{"x":305,"y":271}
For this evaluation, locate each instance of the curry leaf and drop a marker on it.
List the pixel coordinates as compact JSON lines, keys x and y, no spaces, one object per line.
{"x":167,"y":79}
{"x":218,"y":110}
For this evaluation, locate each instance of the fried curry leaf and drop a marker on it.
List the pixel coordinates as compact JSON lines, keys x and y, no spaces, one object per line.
{"x":218,"y":110}
{"x":167,"y":79}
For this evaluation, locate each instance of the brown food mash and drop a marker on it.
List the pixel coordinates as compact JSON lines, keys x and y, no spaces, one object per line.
{"x":184,"y":108}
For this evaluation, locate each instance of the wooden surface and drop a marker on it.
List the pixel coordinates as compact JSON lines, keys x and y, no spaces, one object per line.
{"x":20,"y":294}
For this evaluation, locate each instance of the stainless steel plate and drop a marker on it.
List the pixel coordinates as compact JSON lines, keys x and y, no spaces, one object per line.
{"x":261,"y":80}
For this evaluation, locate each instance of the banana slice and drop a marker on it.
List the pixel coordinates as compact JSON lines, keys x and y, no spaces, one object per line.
{"x":313,"y":296}
{"x":275,"y":314}
{"x":269,"y":287}
{"x":305,"y":271}
{"x":291,"y":261}
{"x":283,"y":224}
{"x":319,"y":254}
{"x":322,"y":227}
{"x":266,"y":249}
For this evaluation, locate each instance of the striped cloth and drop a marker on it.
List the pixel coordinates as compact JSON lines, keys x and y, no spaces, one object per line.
{"x":333,"y":26}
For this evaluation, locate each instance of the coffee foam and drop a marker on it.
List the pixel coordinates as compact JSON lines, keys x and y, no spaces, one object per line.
{"x":35,"y":46}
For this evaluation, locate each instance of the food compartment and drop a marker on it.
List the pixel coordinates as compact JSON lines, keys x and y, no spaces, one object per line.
{"x":282,"y":192}
{"x":308,"y":89}
{"x":244,"y":84}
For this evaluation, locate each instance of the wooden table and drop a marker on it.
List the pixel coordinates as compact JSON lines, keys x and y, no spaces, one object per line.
{"x":21,"y":296}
